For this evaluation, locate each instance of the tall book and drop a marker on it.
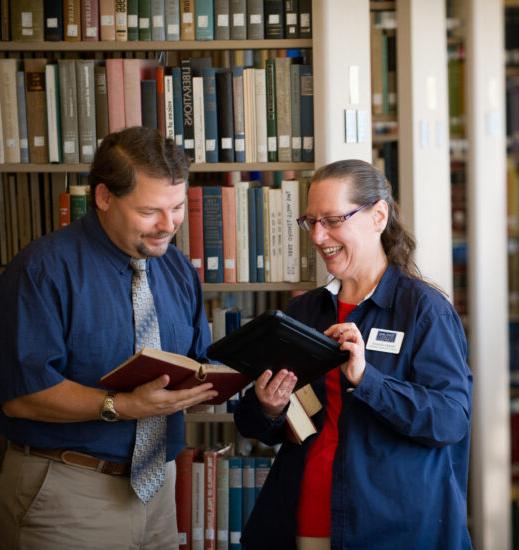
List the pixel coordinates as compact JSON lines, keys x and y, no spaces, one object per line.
{"x":204,"y":20}
{"x":53,"y":113}
{"x":249,"y":112}
{"x":260,"y":240}
{"x":172,"y":19}
{"x":210,"y":114}
{"x":183,"y":495}
{"x":251,"y":207}
{"x":235,"y":502}
{"x":121,"y":20}
{"x":304,"y":236}
{"x":26,"y":20}
{"x":53,"y":20}
{"x":262,"y":466}
{"x":283,"y":108}
{"x":260,"y":93}
{"x":222,"y":503}
{"x":22,"y":116}
{"x":149,"y":103}
{"x":178,"y":106}
{"x":187,"y":103}
{"x":265,"y":200}
{"x":187,"y":20}
{"x":307,"y":113}
{"x":291,"y":18}
{"x":198,"y":118}
{"x":135,"y":70}
{"x":72,"y":20}
{"x":276,"y":235}
{"x":255,"y":23}
{"x":224,"y":89}
{"x":115,"y":91}
{"x":229,"y":234}
{"x":144,"y":19}
{"x":168,"y":107}
{"x":239,"y":115}
{"x":295,"y":114}
{"x":213,"y":234}
{"x":305,"y":18}
{"x":221,"y":20}
{"x":274,"y":19}
{"x":196,"y":229}
{"x":161,"y":105}
{"x":9,"y":107}
{"x":291,"y":258}
{"x":86,"y":109}
{"x":270,"y":85}
{"x":238,"y":19}
{"x":242,"y":231}
{"x":107,"y":20}
{"x":90,"y":20}
{"x":158,"y":30}
{"x":36,"y":109}
{"x":132,"y":19}
{"x":211,"y":459}
{"x":248,"y":487}
{"x":101,"y":101}
{"x":69,"y":110}
{"x":198,"y":506}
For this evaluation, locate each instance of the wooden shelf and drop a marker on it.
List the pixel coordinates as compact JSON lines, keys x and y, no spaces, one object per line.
{"x":384,"y":138}
{"x":150,"y":45}
{"x":382,"y":6}
{"x":247,"y":287}
{"x":208,"y":417}
{"x":202,"y":167}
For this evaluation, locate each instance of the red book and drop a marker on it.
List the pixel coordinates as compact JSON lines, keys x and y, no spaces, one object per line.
{"x":115,"y":89}
{"x":161,"y":105}
{"x":229,"y":234}
{"x":196,"y":229}
{"x":184,"y":495}
{"x":64,"y":209}
{"x":183,"y":372}
{"x":90,"y":20}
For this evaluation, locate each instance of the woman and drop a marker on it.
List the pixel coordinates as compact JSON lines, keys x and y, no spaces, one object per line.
{"x":388,"y":467}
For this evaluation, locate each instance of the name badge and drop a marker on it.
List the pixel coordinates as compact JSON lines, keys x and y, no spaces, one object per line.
{"x":388,"y":341}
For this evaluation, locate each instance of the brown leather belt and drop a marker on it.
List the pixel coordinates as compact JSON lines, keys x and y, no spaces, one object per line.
{"x":75,"y":458}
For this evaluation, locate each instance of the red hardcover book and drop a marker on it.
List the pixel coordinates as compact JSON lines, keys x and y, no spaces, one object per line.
{"x":64,"y":209}
{"x":184,"y":373}
{"x":184,"y":495}
{"x":115,"y":90}
{"x":161,"y":105}
{"x":229,"y":234}
{"x":90,"y":20}
{"x":196,"y":229}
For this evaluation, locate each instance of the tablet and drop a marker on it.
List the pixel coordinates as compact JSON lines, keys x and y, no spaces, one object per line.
{"x":275,"y":341}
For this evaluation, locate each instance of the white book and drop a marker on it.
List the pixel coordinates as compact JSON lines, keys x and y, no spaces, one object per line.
{"x":249,"y":114}
{"x":197,"y":511}
{"x":2,"y":149}
{"x":168,"y":100}
{"x":242,"y":231}
{"x":9,"y":108}
{"x":222,"y":503}
{"x":261,"y":115}
{"x":53,"y":113}
{"x":276,"y":235}
{"x":198,"y":118}
{"x":291,"y":255}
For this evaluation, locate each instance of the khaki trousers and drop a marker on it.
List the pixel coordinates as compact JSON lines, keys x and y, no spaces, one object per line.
{"x":47,"y":505}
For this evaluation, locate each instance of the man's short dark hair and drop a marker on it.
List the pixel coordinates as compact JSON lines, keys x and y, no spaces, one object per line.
{"x":121,"y":154}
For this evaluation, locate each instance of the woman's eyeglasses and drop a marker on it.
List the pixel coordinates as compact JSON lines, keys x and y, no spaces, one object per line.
{"x":329,"y":222}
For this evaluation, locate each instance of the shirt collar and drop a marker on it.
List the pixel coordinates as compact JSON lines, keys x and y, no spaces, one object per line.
{"x":383,"y":294}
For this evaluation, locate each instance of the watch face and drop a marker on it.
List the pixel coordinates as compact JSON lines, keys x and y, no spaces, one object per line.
{"x":109,"y":415}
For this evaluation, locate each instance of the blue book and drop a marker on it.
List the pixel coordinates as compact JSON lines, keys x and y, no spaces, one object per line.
{"x":22,"y":116}
{"x":260,"y":239}
{"x":213,"y":234}
{"x":238,"y":110}
{"x":253,"y":260}
{"x":158,"y":32}
{"x":172,"y":15}
{"x":210,"y":114}
{"x":307,"y":113}
{"x":178,"y":106}
{"x":149,"y":103}
{"x":232,"y":320}
{"x":204,"y":20}
{"x":249,"y":488}
{"x":262,"y":466}
{"x":235,"y":502}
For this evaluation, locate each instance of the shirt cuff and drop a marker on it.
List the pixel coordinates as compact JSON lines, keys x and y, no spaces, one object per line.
{"x":370,"y":385}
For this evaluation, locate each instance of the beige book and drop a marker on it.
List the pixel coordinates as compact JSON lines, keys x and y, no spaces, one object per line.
{"x":9,"y":107}
{"x":283,"y":108}
{"x":299,"y":422}
{"x":309,"y":400}
{"x":36,"y":110}
{"x":27,"y":20}
{"x":72,"y":20}
{"x":107,"y":20}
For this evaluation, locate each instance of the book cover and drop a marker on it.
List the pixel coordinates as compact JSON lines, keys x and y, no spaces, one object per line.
{"x":221,"y":15}
{"x":291,"y":258}
{"x":299,"y":423}
{"x":172,"y":19}
{"x":305,"y":18}
{"x":72,"y":20}
{"x":198,"y":118}
{"x":274,"y":19}
{"x":248,"y":488}
{"x":187,"y":20}
{"x":222,"y":503}
{"x":101,"y":101}
{"x":283,"y":108}
{"x":210,"y":114}
{"x":132,"y":19}
{"x":161,"y":105}
{"x":187,"y":103}
{"x":270,"y":85}
{"x":242,"y":231}
{"x":178,"y":106}
{"x":204,"y":20}
{"x":36,"y":110}
{"x":196,"y":229}
{"x":107,"y":20}
{"x":224,"y":86}
{"x":249,"y":112}
{"x":198,"y":505}
{"x":144,"y":19}
{"x":149,"y":103}
{"x":252,"y":214}
{"x":53,"y":20}
{"x":291,"y":18}
{"x":158,"y":30}
{"x":295,"y":115}
{"x":255,"y":23}
{"x":229,"y":234}
{"x":9,"y":107}
{"x":213,"y":234}
{"x":64,"y":209}
{"x":115,"y":92}
{"x":121,"y":20}
{"x":69,"y":110}
{"x":211,"y":458}
{"x":168,"y":107}
{"x":261,"y":114}
{"x":89,"y":20}
{"x":260,"y":239}
{"x":238,"y":19}
{"x":184,"y":373}
{"x":26,"y":20}
{"x":86,"y":109}
{"x":78,"y":201}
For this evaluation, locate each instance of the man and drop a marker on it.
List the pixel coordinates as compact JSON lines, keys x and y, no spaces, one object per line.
{"x":73,"y":475}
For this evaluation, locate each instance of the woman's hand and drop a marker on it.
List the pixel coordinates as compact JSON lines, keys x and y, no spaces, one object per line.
{"x":274,"y":393}
{"x":350,"y":339}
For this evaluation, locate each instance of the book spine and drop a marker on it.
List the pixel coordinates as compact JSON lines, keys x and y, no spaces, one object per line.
{"x":158,"y":30}
{"x":204,"y":20}
{"x":260,"y":241}
{"x":36,"y":110}
{"x":253,"y":261}
{"x":262,"y":466}
{"x":86,"y":109}
{"x":72,"y":20}
{"x":213,"y":234}
{"x":274,"y":19}
{"x":283,"y":109}
{"x":197,"y":516}
{"x":198,"y":118}
{"x":22,"y":116}
{"x":222,"y":503}
{"x":115,"y":89}
{"x":305,"y":18}
{"x":149,"y":103}
{"x":291,"y":19}
{"x":168,"y":107}
{"x":121,"y":20}
{"x":5,"y":28}
{"x":249,"y":493}
{"x":160,"y":102}
{"x":78,"y":202}
{"x":69,"y":111}
{"x":196,"y":230}
{"x":229,"y":234}
{"x":53,"y":20}
{"x":101,"y":101}
{"x":295,"y":115}
{"x":178,"y":106}
{"x":107,"y":20}
{"x":224,"y":86}
{"x":187,"y":20}
{"x":266,"y":232}
{"x":221,"y":15}
{"x":132,"y":19}
{"x":307,"y":113}
{"x":89,"y":20}
{"x":24,"y":213}
{"x":261,"y":114}
{"x":9,"y":107}
{"x":304,"y":236}
{"x":13,"y":212}
{"x":187,"y":102}
{"x":238,"y":110}
{"x":291,"y":260}
{"x":210,"y":115}
{"x":242,"y":231}
{"x":144,"y":19}
{"x":132,"y":92}
{"x":172,"y":15}
{"x":235,"y":502}
{"x":57,"y":185}
{"x":249,"y":111}
{"x":210,"y":465}
{"x":64,"y":209}
{"x":272,"y":140}
{"x":255,"y":22}
{"x":53,"y":113}
{"x":183,"y":496}
{"x":27,"y":20}
{"x":238,"y":19}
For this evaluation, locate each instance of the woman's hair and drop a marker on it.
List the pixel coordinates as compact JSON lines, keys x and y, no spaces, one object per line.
{"x":368,"y":185}
{"x":143,"y":149}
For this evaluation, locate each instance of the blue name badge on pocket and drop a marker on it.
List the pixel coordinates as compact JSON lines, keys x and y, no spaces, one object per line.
{"x":388,"y":341}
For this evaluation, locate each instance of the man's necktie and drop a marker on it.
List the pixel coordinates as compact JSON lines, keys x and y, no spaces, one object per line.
{"x":149,"y":454}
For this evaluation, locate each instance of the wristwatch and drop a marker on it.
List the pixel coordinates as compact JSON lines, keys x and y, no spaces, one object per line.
{"x":108,"y":412}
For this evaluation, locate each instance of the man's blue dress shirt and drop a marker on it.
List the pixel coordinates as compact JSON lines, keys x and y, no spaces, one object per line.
{"x":67,"y":314}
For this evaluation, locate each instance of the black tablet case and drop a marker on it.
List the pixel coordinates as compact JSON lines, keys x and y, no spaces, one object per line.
{"x":273,"y":340}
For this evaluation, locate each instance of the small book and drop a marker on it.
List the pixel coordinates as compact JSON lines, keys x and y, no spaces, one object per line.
{"x":276,"y":341}
{"x":298,"y":420}
{"x":184,"y":373}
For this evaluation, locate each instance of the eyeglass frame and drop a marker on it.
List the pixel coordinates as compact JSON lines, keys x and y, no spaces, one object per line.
{"x":303,"y":220}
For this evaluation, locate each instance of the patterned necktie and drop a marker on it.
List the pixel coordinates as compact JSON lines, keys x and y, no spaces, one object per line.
{"x":149,"y":453}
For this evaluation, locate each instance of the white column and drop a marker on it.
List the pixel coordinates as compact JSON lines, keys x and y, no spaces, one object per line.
{"x":423,"y":135}
{"x":488,"y":309}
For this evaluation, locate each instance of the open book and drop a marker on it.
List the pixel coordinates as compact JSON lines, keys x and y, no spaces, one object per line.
{"x":184,"y":373}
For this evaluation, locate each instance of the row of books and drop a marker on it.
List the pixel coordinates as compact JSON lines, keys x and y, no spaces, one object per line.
{"x":215,"y":494}
{"x":59,"y":112}
{"x":126,"y":20}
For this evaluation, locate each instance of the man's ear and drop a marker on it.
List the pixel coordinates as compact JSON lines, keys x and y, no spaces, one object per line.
{"x":380,"y":215}
{"x":103,"y":197}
